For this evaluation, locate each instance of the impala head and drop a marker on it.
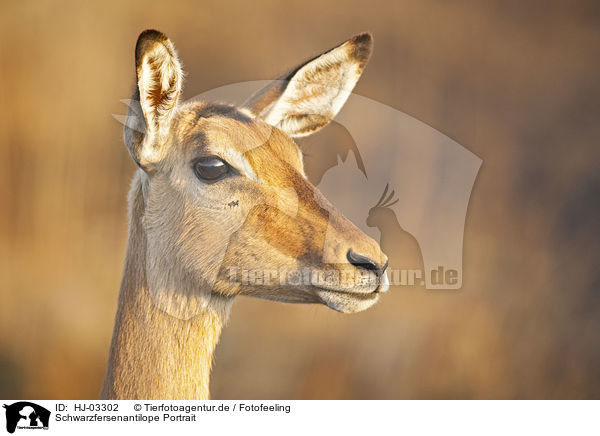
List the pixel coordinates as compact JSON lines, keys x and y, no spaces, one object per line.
{"x":225,"y":190}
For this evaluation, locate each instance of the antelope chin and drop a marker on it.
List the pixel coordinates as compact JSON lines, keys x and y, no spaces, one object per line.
{"x":348,"y":302}
{"x":354,"y":299}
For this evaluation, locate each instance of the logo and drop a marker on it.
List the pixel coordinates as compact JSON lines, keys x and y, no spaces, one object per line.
{"x":26,"y":415}
{"x":398,"y":180}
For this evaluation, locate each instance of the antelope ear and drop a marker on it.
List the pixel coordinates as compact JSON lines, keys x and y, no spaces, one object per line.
{"x":306,"y":99}
{"x":158,"y":85}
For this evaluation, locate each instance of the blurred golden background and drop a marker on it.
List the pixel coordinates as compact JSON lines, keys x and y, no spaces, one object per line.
{"x":514,"y":82}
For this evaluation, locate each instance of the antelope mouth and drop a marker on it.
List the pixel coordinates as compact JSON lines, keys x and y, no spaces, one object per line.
{"x":352,"y":300}
{"x":380,"y":285}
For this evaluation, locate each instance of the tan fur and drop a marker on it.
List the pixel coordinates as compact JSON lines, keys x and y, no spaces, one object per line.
{"x":154,"y":355}
{"x":187,"y":235}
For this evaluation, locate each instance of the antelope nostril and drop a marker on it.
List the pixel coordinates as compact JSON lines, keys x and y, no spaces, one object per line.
{"x":360,"y":261}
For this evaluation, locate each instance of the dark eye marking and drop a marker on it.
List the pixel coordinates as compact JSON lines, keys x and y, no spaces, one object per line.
{"x":210,"y":169}
{"x":233,"y":203}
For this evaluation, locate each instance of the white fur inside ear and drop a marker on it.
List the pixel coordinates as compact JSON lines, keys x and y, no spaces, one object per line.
{"x":316,"y":93}
{"x":159,"y":83}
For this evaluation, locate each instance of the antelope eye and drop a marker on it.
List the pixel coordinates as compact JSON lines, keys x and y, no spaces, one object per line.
{"x":210,"y":169}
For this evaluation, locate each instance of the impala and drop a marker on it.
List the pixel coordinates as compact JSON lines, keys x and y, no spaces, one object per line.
{"x":218,"y":188}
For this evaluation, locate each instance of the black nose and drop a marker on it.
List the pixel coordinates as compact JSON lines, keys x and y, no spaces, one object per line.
{"x":360,"y":261}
